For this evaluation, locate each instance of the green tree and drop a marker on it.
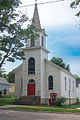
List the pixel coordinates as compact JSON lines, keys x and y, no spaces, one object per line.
{"x":77,"y":80}
{"x":2,"y":74}
{"x":59,"y":61}
{"x":77,"y":77}
{"x":10,"y":77}
{"x":13,"y":34}
{"x":76,"y":4}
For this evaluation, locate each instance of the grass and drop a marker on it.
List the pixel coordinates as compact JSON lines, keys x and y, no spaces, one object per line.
{"x":6,"y":101}
{"x":73,"y":106}
{"x":63,"y":110}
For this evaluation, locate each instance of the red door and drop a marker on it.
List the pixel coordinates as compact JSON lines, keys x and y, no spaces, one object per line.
{"x":31,"y":89}
{"x":53,"y":98}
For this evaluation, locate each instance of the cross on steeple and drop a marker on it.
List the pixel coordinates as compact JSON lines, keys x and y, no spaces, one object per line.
{"x":35,"y":1}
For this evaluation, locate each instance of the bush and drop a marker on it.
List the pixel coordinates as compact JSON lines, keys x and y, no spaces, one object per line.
{"x":60,"y":101}
{"x":6,"y":101}
{"x":77,"y":100}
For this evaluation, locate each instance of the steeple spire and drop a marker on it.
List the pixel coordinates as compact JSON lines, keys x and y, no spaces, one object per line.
{"x":35,"y":1}
{"x":36,"y":21}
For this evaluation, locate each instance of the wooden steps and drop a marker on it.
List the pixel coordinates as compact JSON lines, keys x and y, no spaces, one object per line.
{"x":28,"y":100}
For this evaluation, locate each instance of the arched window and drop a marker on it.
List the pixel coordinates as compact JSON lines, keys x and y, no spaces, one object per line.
{"x":31,"y":66}
{"x":50,"y":82}
{"x":65,"y":83}
{"x":31,"y":81}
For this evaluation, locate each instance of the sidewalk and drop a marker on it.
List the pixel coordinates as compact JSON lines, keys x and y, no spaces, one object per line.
{"x":78,"y":108}
{"x":7,"y":106}
{"x":25,"y":106}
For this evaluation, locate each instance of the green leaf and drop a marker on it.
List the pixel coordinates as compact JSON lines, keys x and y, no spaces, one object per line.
{"x":59,"y":61}
{"x":72,"y":4}
{"x":78,"y":14}
{"x":11,"y":59}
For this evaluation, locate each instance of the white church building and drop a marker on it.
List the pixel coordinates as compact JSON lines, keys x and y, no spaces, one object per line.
{"x":37,"y":77}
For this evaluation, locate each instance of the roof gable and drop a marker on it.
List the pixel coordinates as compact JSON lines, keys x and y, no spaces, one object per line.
{"x":3,"y":81}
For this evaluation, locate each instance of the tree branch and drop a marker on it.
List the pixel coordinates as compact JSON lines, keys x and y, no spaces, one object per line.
{"x":5,"y":56}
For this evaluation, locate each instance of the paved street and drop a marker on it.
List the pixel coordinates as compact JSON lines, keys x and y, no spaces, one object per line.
{"x":24,"y":115}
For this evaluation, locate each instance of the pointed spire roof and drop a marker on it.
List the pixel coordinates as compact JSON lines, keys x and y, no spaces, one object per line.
{"x":36,"y":21}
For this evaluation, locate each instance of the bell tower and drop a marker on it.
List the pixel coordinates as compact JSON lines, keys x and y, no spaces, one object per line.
{"x":33,"y":67}
{"x":41,"y":40}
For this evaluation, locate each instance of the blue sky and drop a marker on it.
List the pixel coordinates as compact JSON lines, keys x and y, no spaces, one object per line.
{"x":65,"y":39}
{"x":64,"y":42}
{"x":62,"y":29}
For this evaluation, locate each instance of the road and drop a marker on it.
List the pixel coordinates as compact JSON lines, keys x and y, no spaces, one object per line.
{"x":24,"y":115}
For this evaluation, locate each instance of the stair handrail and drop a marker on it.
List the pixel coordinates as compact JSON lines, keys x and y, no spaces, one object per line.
{"x":37,"y":98}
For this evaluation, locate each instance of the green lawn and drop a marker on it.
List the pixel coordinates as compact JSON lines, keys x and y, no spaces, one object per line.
{"x":48,"y":109}
{"x":73,"y":106}
{"x":63,"y":109}
{"x":6,"y":101}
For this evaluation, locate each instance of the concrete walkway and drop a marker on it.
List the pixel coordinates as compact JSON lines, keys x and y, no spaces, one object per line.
{"x":78,"y":108}
{"x":25,"y":106}
{"x":9,"y":106}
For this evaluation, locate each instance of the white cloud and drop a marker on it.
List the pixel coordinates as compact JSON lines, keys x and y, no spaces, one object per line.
{"x":74,"y":62}
{"x":75,"y":65}
{"x":53,"y":13}
{"x":9,"y":66}
{"x":71,"y":40}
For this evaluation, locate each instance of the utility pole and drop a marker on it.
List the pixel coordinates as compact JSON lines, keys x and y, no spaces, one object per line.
{"x":69,"y":99}
{"x":70,"y":93}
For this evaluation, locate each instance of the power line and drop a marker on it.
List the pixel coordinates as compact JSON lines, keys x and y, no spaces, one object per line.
{"x":41,"y":3}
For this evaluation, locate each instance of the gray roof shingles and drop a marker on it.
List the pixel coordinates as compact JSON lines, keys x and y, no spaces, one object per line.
{"x":3,"y":81}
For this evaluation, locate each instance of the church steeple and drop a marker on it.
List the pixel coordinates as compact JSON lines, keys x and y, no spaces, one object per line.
{"x":36,"y":21}
{"x":41,"y":40}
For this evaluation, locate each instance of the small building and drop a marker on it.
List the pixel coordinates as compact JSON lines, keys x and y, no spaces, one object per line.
{"x":4,"y":87}
{"x":12,"y":89}
{"x":36,"y":76}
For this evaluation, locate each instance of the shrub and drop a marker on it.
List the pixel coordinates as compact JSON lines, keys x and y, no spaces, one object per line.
{"x":60,"y":101}
{"x":77,"y":100}
{"x":6,"y":101}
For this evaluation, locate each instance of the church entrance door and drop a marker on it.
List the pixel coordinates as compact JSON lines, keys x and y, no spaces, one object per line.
{"x":53,"y":98}
{"x":31,"y":88}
